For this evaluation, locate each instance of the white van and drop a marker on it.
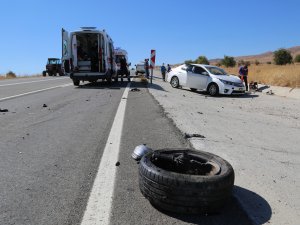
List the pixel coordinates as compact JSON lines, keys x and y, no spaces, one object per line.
{"x":88,"y":55}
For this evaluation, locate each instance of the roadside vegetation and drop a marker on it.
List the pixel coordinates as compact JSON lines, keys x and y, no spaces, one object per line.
{"x":12,"y":75}
{"x":270,"y":74}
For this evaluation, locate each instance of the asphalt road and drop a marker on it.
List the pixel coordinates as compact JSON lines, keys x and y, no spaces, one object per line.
{"x":51,"y":143}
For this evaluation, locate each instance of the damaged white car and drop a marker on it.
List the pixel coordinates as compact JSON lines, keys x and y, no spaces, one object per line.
{"x":208,"y":78}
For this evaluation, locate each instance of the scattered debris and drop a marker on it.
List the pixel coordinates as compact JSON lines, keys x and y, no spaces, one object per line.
{"x":135,"y":89}
{"x":270,"y":92}
{"x":186,"y":136}
{"x":253,"y":86}
{"x":28,"y":107}
{"x":87,"y":100}
{"x":45,"y":106}
{"x":124,"y":98}
{"x":3,"y":110}
{"x":200,"y":112}
{"x":117,"y":163}
{"x":183,"y":95}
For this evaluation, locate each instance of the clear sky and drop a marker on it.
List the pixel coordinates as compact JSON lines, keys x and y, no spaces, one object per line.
{"x":178,"y":30}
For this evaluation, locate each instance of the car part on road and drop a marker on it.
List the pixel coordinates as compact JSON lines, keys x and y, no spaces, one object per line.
{"x":140,"y":151}
{"x":174,"y":82}
{"x":213,"y":89}
{"x":135,"y":89}
{"x":3,"y":110}
{"x":186,"y":136}
{"x":185,"y":181}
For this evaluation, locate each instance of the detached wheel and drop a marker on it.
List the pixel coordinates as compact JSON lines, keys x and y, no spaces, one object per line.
{"x":185,"y":181}
{"x":213,"y":89}
{"x":76,"y":82}
{"x":174,"y":82}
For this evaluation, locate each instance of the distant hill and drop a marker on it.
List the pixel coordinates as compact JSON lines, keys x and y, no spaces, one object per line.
{"x":262,"y":58}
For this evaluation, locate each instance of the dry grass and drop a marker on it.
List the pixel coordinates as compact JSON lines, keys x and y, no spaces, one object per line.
{"x":9,"y":76}
{"x":285,"y":76}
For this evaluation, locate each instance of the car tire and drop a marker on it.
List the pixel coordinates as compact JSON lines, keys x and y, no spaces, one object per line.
{"x":185,"y":193}
{"x":213,"y":89}
{"x":193,"y":89}
{"x":174,"y":82}
{"x":76,"y":82}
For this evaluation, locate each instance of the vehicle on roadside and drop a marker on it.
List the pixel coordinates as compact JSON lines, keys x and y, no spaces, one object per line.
{"x":139,"y":68}
{"x":208,"y":78}
{"x":121,"y":54}
{"x":88,"y":55}
{"x":53,"y":67}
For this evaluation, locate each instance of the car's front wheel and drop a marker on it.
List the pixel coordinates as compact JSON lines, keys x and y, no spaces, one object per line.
{"x":175,"y":82}
{"x":213,"y":89}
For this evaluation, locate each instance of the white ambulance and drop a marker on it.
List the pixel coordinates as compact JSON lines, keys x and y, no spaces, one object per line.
{"x":88,"y":55}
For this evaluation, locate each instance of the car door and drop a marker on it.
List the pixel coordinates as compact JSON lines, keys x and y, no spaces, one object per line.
{"x":66,"y":51}
{"x":182,"y":75}
{"x":197,"y":78}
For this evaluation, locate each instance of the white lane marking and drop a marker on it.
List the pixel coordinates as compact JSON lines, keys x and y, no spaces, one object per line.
{"x":28,"y":82}
{"x":32,"y":92}
{"x":99,"y":205}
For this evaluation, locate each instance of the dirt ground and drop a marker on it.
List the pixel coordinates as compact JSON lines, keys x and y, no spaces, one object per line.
{"x":257,"y":133}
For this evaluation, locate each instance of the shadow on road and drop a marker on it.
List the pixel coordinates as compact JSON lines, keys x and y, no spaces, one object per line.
{"x":232,"y":213}
{"x":257,"y":207}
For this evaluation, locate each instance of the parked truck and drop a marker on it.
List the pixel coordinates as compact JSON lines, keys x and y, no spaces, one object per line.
{"x":53,"y":67}
{"x":88,"y":55}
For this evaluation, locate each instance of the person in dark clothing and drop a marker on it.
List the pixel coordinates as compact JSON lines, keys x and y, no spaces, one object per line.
{"x":169,"y":68}
{"x":124,"y":69}
{"x":146,"y":67}
{"x":245,"y":76}
{"x":163,"y":72}
{"x":94,"y":57}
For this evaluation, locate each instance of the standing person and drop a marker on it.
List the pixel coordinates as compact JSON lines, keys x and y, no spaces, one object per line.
{"x":169,"y":68}
{"x":246,"y":76}
{"x":146,"y":66}
{"x":163,"y":72}
{"x":241,"y":72}
{"x":123,"y":68}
